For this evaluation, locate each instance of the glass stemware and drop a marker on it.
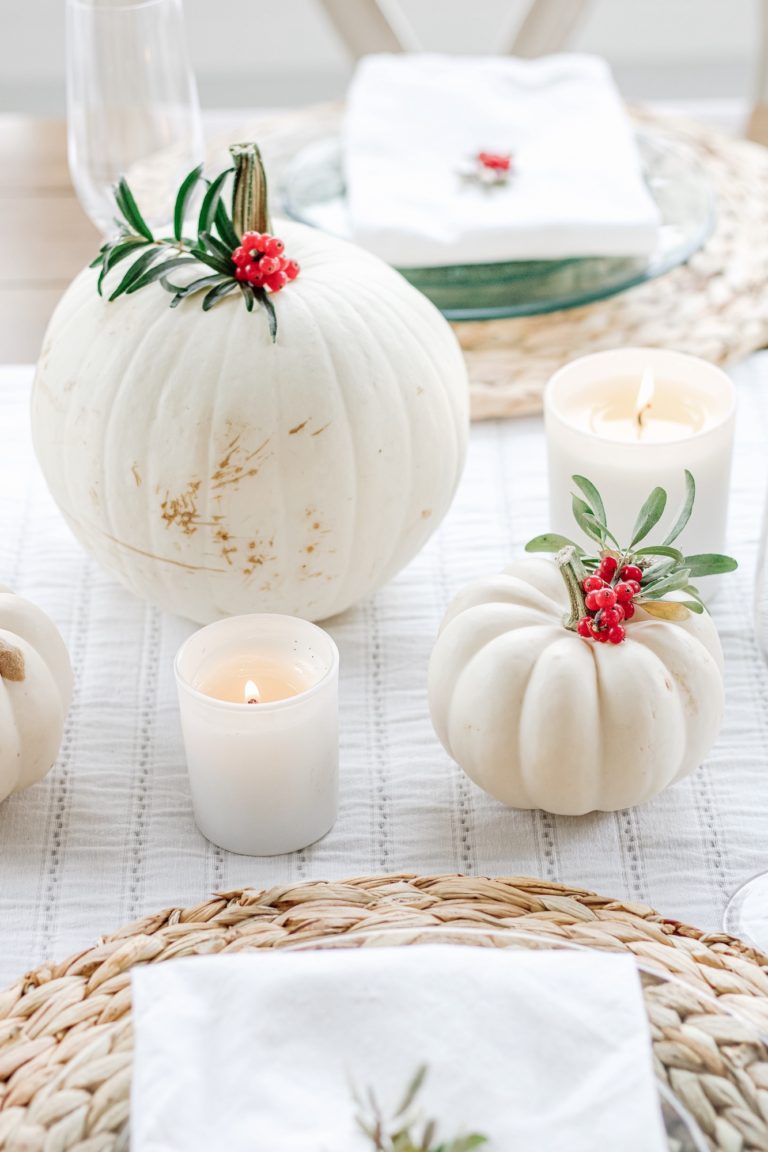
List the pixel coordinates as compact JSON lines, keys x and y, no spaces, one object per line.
{"x":132,"y":105}
{"x":746,"y":914}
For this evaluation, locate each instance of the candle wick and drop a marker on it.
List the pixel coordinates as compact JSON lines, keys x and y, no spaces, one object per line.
{"x":641,"y":417}
{"x":253,"y":700}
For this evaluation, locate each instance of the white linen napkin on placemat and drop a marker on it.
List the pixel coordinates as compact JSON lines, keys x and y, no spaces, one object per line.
{"x":577,"y":189}
{"x":259,"y":1053}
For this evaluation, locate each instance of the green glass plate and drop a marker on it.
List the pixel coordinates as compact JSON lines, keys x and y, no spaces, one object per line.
{"x":314,"y":193}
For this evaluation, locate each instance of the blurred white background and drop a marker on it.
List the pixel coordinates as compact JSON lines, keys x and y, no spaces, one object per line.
{"x":270,"y":52}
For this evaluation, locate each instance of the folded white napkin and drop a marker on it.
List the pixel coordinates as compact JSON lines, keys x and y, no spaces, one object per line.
{"x":577,"y":190}
{"x":257,"y":1053}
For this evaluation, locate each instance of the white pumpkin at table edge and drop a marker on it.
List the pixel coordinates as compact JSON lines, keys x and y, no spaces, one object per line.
{"x":216,"y":472}
{"x":35,"y":692}
{"x":541,"y":718}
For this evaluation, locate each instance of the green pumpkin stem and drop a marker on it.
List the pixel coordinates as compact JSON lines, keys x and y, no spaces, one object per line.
{"x":573,"y":572}
{"x":250,"y":211}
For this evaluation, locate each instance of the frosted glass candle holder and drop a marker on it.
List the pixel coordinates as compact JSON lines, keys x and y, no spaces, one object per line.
{"x":590,"y":412}
{"x":259,"y":714}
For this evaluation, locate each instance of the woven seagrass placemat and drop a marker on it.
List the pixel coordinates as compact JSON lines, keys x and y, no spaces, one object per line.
{"x":65,"y":1029}
{"x":715,"y":306}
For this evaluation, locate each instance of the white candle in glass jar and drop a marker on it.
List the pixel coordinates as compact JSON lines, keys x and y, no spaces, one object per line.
{"x":634,"y":419}
{"x":259,"y":713}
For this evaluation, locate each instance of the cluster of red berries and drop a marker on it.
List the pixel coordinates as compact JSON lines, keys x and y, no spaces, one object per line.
{"x":609,"y":601}
{"x":498,"y":161}
{"x":259,"y":260}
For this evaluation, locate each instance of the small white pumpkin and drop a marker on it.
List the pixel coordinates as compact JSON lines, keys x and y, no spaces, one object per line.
{"x":35,"y":692}
{"x":541,"y":718}
{"x":216,"y":472}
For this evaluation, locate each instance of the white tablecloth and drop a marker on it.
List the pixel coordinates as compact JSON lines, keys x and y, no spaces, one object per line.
{"x":109,"y":834}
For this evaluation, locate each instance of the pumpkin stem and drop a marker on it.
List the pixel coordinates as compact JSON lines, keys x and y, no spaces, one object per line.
{"x":11,"y":662}
{"x":573,"y":572}
{"x":250,"y":212}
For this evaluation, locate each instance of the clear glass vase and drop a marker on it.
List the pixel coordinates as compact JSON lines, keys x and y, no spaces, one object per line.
{"x":132,"y":107}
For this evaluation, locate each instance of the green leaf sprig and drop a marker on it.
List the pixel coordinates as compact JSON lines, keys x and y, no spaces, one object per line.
{"x":402,"y":1131}
{"x":154,"y":259}
{"x":665,"y":569}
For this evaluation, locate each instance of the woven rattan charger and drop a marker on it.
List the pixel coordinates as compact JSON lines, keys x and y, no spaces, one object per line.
{"x":65,"y":1030}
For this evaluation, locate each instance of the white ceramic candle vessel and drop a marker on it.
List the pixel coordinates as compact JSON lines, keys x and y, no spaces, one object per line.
{"x":259,"y":713}
{"x":631,"y":420}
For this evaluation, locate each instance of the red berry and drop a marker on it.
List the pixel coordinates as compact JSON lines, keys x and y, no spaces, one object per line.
{"x":274,"y":247}
{"x":612,"y":616}
{"x":624,"y":592}
{"x":240,"y":274}
{"x":291,"y":269}
{"x":635,"y":586}
{"x":268,"y":265}
{"x":584,"y":627}
{"x":629,"y":611}
{"x":591,"y":602}
{"x":261,"y":243}
{"x":240,"y":257}
{"x":631,"y":572}
{"x":600,"y":636}
{"x":592,"y":583}
{"x":276,"y":281}
{"x":608,"y":566}
{"x":604,"y":597}
{"x":616,"y":634}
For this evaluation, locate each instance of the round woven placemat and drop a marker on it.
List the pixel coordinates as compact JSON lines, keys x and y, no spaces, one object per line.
{"x":65,"y":1030}
{"x":715,"y":306}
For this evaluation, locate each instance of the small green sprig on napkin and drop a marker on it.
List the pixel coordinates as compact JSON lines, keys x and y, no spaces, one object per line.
{"x":402,"y":1131}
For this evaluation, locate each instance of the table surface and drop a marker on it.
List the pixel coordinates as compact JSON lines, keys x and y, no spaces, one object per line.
{"x":109,"y":834}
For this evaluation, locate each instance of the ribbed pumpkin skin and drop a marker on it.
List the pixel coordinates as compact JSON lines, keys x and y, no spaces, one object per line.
{"x":32,"y":710}
{"x":540,"y":718}
{"x":218,"y":473}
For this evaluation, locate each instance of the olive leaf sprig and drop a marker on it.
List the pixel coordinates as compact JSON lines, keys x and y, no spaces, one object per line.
{"x":665,"y":569}
{"x":398,"y":1132}
{"x":153,"y":259}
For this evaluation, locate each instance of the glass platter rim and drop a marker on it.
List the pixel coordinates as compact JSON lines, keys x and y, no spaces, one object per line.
{"x":669,"y":1101}
{"x":479,"y":276}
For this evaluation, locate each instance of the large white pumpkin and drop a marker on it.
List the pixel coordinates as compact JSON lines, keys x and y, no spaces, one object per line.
{"x":216,"y":472}
{"x":541,"y":718}
{"x":35,"y":692}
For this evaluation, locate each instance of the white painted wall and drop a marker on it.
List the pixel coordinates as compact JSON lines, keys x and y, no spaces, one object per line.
{"x":258,"y":52}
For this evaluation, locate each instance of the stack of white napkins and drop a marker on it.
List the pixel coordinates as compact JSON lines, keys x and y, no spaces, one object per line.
{"x":537,"y":1051}
{"x":412,"y":121}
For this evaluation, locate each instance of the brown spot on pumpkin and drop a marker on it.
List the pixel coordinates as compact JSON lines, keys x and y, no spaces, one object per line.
{"x":234,"y":464}
{"x":309,"y":548}
{"x":136,"y":475}
{"x":298,"y":428}
{"x":316,"y":525}
{"x":181,"y":511}
{"x":426,"y":513}
{"x":319,"y":430}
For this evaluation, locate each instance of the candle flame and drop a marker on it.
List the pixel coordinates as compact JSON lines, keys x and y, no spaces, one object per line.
{"x":644,"y":400}
{"x":251,"y":693}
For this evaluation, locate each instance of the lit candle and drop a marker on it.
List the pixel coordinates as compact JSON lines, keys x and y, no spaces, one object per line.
{"x":631,"y":420}
{"x":259,"y":714}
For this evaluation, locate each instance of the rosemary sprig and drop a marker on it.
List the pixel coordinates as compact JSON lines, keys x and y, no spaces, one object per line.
{"x":665,"y":569}
{"x":153,"y":259}
{"x":402,"y":1131}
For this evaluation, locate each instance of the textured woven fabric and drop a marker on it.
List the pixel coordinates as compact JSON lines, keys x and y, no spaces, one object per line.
{"x":109,"y":835}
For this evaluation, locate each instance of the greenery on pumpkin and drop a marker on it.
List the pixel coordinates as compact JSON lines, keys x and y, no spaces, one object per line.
{"x":665,"y":569}
{"x":153,"y":259}
{"x":402,"y":1132}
